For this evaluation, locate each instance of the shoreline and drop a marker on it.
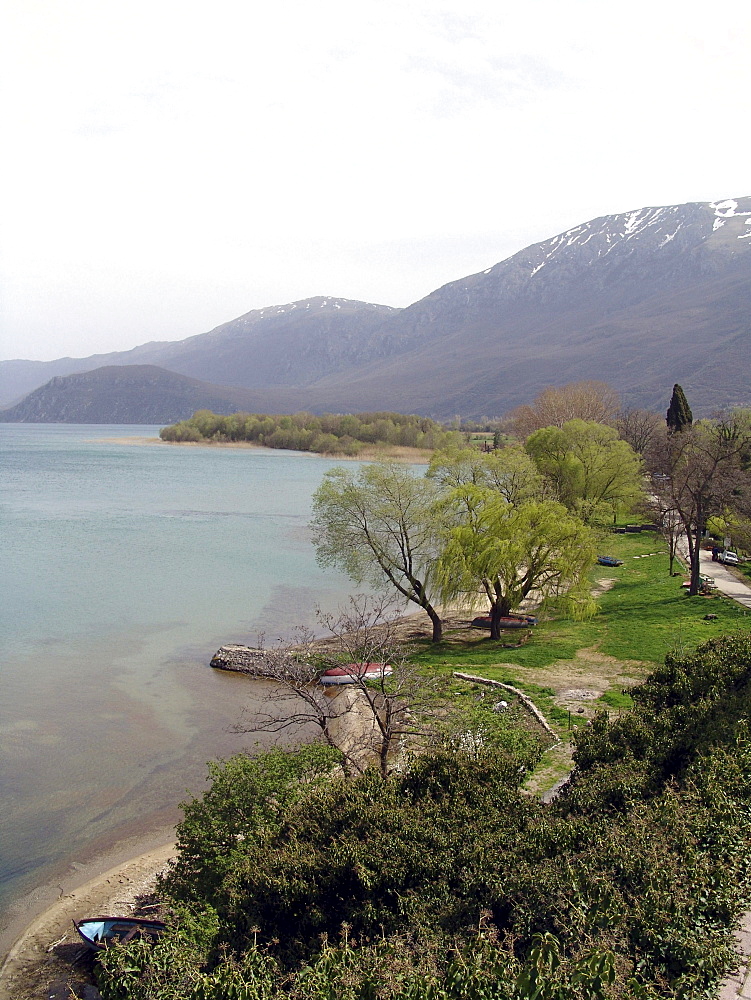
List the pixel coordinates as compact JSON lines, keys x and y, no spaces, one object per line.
{"x":30,"y":963}
{"x":107,"y":882}
{"x":397,"y":453}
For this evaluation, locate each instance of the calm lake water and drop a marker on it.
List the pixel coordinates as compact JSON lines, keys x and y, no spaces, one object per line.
{"x":124,"y":567}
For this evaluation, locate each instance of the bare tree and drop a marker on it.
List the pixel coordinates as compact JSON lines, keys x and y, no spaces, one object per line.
{"x":660,"y":507}
{"x":698,"y":473}
{"x":639,"y":428}
{"x":367,"y":719}
{"x":587,"y":400}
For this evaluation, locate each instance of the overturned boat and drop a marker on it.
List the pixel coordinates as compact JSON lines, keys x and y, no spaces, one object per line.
{"x":352,"y":673}
{"x":101,"y":932}
{"x":505,"y":622}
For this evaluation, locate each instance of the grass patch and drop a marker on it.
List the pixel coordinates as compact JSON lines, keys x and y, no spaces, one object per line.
{"x":644,"y":614}
{"x":620,"y":700}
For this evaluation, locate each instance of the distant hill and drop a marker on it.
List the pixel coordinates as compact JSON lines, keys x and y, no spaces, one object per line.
{"x":640,"y":300}
{"x":132,"y":394}
{"x":291,"y":345}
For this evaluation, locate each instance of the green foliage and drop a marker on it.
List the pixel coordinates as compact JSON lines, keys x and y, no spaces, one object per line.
{"x":679,"y":415}
{"x":384,"y":855}
{"x":446,"y":882}
{"x":168,"y":969}
{"x":588,"y":467}
{"x":381,"y":525}
{"x":509,"y":471}
{"x":330,"y":434}
{"x":246,"y":801}
{"x":509,"y":551}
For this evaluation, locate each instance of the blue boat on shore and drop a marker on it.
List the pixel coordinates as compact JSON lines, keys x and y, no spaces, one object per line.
{"x":101,"y":932}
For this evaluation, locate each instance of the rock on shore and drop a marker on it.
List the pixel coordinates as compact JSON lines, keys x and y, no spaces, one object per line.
{"x":247,"y":660}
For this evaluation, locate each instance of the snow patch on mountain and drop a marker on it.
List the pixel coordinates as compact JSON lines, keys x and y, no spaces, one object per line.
{"x":617,"y":235}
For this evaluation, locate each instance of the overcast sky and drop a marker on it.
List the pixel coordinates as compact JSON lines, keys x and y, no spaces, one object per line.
{"x":168,"y":166}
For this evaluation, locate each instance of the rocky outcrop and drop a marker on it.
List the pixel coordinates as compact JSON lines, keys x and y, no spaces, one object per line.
{"x":247,"y":660}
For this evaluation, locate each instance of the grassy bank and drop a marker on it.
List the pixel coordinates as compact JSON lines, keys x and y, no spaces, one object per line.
{"x":571,"y":669}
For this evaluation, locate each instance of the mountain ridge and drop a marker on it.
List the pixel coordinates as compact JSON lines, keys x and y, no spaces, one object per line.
{"x":640,"y":299}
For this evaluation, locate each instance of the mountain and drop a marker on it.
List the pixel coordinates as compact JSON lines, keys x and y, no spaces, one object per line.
{"x":292,"y":344}
{"x":125,"y":394}
{"x":640,"y":300}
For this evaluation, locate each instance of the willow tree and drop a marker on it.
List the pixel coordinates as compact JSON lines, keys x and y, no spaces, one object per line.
{"x":509,"y":552}
{"x":509,"y":471}
{"x":381,"y":526}
{"x":589,"y":468}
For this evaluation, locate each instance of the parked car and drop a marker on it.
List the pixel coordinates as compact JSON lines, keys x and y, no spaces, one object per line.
{"x":729,"y":558}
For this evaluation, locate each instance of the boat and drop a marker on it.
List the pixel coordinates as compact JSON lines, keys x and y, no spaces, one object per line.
{"x":351,"y":673}
{"x":100,"y":932}
{"x":506,"y":622}
{"x":609,"y":561}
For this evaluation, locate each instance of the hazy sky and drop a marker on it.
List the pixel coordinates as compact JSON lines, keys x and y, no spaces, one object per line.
{"x":169,"y":165}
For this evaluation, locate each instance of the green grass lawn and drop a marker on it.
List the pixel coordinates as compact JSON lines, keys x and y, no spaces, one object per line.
{"x":643,"y":616}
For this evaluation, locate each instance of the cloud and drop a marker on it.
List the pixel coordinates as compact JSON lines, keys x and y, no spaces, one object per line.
{"x":176,"y":138}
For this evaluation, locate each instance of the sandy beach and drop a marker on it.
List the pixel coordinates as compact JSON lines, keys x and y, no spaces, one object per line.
{"x":370,"y":453}
{"x":48,"y":950}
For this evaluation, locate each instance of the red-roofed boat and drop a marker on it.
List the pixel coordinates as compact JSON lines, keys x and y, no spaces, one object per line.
{"x":351,"y":673}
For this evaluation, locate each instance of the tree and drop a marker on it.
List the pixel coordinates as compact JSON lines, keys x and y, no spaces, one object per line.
{"x":639,"y":428}
{"x":381,"y":526}
{"x":247,"y":795}
{"x":365,"y":721}
{"x":699,"y":472}
{"x":555,"y":405}
{"x":454,"y":467}
{"x":660,"y":506}
{"x":587,"y":466}
{"x":679,"y":416}
{"x":510,"y":471}
{"x":509,"y":552}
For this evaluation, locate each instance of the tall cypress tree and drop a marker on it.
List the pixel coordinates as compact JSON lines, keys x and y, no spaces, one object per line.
{"x":679,"y":415}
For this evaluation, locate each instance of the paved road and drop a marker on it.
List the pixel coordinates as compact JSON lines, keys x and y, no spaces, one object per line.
{"x":727,"y":582}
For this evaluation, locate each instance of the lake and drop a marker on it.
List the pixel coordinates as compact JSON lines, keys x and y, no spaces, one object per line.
{"x":125,"y":565}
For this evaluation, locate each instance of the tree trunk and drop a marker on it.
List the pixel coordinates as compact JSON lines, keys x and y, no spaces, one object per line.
{"x":694,"y":550}
{"x":422,"y":600}
{"x":499,"y":610}
{"x":437,"y":623}
{"x":693,"y":563}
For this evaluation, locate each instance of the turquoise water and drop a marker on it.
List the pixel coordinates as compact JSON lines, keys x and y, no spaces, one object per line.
{"x":124,"y":566}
